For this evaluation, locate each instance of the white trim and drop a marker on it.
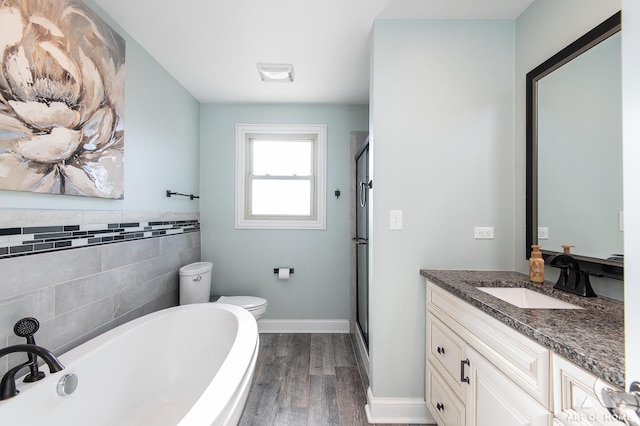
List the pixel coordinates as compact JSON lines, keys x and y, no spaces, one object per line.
{"x":319,"y":134}
{"x":397,"y":410}
{"x":303,"y":326}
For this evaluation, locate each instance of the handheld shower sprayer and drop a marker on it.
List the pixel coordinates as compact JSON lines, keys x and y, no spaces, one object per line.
{"x":27,"y":327}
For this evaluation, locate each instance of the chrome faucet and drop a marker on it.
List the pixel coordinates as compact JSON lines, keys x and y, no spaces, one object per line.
{"x":8,"y":383}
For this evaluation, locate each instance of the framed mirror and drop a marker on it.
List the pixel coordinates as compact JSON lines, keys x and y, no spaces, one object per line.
{"x":574,"y":152}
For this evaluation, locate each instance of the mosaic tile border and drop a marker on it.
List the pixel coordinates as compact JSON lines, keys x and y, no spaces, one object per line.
{"x":21,"y":241}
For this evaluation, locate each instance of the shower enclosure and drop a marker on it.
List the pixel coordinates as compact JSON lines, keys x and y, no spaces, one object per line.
{"x":361,"y":239}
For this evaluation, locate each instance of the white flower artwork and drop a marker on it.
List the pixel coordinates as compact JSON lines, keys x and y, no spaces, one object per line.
{"x":61,"y":100}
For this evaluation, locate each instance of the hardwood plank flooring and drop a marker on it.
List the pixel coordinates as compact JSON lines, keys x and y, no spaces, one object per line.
{"x":305,"y":379}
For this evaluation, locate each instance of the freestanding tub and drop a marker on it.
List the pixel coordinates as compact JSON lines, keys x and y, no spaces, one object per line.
{"x":189,"y":365}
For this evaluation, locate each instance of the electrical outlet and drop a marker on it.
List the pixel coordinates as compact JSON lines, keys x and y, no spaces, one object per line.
{"x":483,"y":232}
{"x":543,"y":233}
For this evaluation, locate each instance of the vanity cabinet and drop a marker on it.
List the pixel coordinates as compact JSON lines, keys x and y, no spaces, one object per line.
{"x":480,"y":371}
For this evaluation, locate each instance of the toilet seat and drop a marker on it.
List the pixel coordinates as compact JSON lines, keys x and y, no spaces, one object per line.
{"x":257,"y":306}
{"x":250,"y":303}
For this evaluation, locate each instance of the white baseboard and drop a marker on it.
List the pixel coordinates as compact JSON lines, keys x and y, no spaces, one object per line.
{"x":397,"y":410}
{"x":303,"y":326}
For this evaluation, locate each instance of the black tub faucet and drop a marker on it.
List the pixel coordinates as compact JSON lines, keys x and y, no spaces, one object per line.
{"x":27,"y":327}
{"x":8,"y":383}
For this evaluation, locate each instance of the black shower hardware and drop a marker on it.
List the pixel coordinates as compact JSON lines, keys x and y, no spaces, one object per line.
{"x":191,"y":196}
{"x":8,"y":383}
{"x":27,"y":327}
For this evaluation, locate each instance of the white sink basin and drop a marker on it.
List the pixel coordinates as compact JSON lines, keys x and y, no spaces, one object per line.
{"x":528,"y":299}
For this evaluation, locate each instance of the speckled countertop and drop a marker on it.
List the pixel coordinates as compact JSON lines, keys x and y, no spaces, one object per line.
{"x":592,"y":338}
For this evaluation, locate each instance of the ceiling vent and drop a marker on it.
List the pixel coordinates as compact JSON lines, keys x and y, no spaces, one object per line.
{"x":281,"y":73}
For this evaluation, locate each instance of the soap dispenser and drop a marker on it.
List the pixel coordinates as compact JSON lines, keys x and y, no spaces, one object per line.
{"x":536,"y":265}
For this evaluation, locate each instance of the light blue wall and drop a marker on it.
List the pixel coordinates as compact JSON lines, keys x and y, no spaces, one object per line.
{"x":442,"y":144}
{"x":244,"y":259}
{"x":161,"y":143}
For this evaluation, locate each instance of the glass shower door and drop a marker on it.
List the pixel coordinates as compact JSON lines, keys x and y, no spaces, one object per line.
{"x":363,"y":185}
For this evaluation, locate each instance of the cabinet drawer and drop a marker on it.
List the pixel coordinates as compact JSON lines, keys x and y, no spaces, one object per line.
{"x":442,"y":402}
{"x":574,"y":398}
{"x":524,"y":361}
{"x":445,"y":351}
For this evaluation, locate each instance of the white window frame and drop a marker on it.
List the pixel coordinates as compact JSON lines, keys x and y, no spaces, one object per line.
{"x":315,"y":132}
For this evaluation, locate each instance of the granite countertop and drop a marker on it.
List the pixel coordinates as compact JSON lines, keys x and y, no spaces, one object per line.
{"x":592,"y":338}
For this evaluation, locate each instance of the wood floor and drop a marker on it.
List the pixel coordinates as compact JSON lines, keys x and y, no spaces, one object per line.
{"x":305,"y":379}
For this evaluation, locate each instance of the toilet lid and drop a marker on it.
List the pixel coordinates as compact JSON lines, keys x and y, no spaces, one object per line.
{"x":247,"y":302}
{"x":195,"y":268}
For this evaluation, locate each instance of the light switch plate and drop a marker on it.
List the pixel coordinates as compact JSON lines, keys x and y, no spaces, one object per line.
{"x":395,"y":220}
{"x":621,"y":221}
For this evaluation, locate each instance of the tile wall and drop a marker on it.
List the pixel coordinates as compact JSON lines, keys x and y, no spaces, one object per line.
{"x":81,"y":273}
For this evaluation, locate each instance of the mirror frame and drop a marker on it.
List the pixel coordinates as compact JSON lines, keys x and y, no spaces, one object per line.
{"x":595,"y":266}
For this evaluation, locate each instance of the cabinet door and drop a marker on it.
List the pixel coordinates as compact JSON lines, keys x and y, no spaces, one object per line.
{"x":575,"y":399}
{"x":492,"y":399}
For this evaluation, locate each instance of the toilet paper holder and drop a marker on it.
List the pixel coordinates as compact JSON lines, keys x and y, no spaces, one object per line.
{"x":277,"y":270}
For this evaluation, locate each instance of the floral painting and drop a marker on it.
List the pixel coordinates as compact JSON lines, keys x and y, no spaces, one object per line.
{"x":61,"y":100}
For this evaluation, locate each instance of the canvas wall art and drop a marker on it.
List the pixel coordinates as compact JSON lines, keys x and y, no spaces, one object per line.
{"x":61,"y":100}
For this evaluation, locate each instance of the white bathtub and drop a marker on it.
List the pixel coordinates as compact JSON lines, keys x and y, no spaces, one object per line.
{"x":188,"y":365}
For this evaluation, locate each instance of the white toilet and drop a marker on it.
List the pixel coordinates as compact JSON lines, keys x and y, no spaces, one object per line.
{"x":256,"y":305}
{"x":195,"y":287}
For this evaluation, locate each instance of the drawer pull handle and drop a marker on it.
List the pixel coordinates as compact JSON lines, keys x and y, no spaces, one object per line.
{"x":440,"y":406}
{"x":463,"y":378}
{"x":440,"y":350}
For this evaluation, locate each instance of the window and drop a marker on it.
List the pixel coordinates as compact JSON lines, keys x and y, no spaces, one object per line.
{"x":280,"y":176}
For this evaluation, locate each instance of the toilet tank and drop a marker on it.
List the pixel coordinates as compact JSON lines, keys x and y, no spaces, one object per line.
{"x":195,"y":283}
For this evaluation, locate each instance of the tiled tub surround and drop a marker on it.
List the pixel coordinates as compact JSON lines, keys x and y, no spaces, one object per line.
{"x":592,"y":338}
{"x":79,"y":293}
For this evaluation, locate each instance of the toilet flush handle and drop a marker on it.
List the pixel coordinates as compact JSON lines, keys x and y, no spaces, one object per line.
{"x":198,"y":278}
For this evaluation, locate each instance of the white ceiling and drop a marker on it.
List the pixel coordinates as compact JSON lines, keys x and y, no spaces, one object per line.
{"x":212,"y":46}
